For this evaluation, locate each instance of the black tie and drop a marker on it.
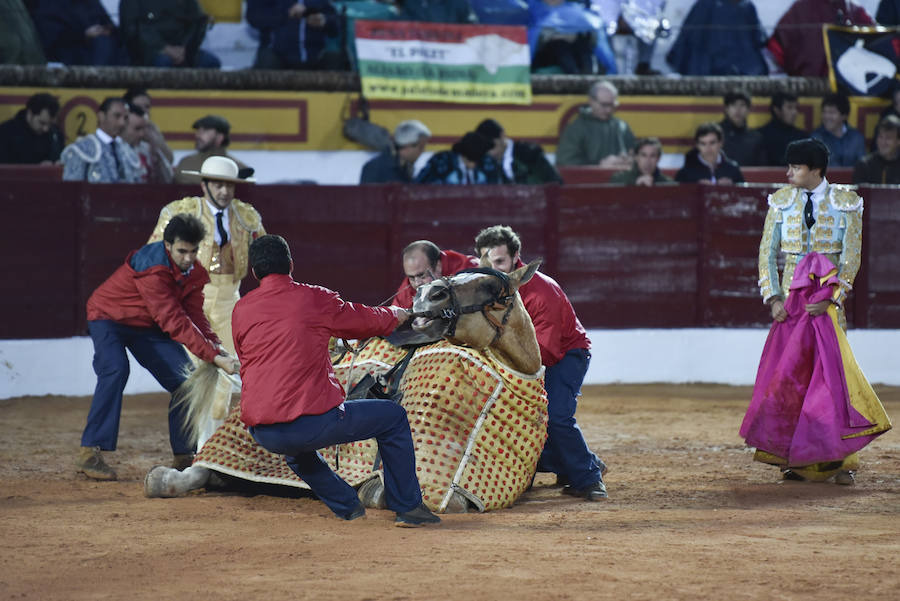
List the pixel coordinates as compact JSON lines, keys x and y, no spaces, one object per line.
{"x":112,"y":146}
{"x":221,"y":227}
{"x":808,"y":211}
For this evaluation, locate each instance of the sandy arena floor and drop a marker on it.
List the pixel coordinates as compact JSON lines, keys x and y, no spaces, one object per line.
{"x":690,"y":516}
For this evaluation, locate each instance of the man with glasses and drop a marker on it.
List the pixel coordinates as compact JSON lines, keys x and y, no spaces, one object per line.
{"x":595,"y":136}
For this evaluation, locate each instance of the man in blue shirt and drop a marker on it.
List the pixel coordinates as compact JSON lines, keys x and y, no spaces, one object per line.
{"x":846,"y":145}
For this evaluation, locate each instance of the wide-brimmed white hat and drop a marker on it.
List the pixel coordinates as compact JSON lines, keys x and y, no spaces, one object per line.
{"x":221,"y":169}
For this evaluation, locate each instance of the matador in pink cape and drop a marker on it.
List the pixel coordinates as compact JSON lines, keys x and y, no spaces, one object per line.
{"x":812,"y":407}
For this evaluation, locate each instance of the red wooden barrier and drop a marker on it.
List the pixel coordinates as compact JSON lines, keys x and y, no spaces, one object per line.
{"x":674,"y":256}
{"x":753,"y":175}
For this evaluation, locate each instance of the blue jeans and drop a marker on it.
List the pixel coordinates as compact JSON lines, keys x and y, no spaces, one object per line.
{"x":566,"y":453}
{"x":158,"y":353}
{"x":360,"y":419}
{"x":202,"y":60}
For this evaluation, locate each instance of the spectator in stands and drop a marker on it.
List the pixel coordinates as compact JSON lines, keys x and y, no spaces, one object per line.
{"x":19,"y":41}
{"x":520,"y":162}
{"x":883,"y":165}
{"x":133,"y":135}
{"x":294,"y":35}
{"x":468,"y":162}
{"x":444,"y":11}
{"x":707,"y":163}
{"x":846,"y":144}
{"x":562,"y":37}
{"x":211,"y":138}
{"x":595,"y":136}
{"x":155,"y":153}
{"x":780,"y":130}
{"x":742,"y":145}
{"x":894,"y":107}
{"x":797,"y":45}
{"x":166,"y":33}
{"x":424,"y":262}
{"x":78,"y":32}
{"x":888,"y":13}
{"x":645,"y":170}
{"x":720,"y":38}
{"x":396,"y":164}
{"x":102,"y":157}
{"x":32,"y":136}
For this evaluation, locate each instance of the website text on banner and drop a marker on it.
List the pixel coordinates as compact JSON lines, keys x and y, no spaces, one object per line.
{"x":444,"y":63}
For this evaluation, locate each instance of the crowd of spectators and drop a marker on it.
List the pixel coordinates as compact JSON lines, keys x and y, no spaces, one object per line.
{"x":715,"y":37}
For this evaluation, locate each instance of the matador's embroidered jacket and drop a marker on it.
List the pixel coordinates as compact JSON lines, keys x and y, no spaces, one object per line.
{"x":245,"y":225}
{"x":837,"y":234}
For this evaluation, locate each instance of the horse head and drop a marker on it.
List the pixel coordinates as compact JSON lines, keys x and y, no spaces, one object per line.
{"x":481,"y":308}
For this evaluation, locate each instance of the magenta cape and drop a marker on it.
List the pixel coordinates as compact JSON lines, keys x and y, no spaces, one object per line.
{"x":801,"y":408}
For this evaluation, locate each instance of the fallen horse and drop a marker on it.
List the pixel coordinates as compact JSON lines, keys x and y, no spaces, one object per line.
{"x":475,"y":401}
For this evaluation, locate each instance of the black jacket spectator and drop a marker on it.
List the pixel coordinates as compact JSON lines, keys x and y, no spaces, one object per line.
{"x":289,"y":43}
{"x":20,"y":144}
{"x":875,"y":169}
{"x":695,"y":170}
{"x":744,"y":146}
{"x":77,"y":32}
{"x":148,"y":27}
{"x":385,"y":167}
{"x":776,"y":136}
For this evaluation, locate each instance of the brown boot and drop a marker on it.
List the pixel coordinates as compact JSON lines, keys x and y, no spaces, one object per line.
{"x":183,"y":461}
{"x":91,"y":464}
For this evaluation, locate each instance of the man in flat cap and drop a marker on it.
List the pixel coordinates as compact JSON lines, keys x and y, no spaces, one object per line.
{"x":211,"y":138}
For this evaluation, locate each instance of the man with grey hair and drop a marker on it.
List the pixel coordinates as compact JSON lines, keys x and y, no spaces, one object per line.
{"x":395,"y":164}
{"x":595,"y":136}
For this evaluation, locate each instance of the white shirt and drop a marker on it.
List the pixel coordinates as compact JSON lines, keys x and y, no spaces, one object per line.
{"x":225,"y":221}
{"x":818,"y":195}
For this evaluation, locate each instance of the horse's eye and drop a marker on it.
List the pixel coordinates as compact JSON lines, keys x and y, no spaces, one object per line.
{"x":438,"y":294}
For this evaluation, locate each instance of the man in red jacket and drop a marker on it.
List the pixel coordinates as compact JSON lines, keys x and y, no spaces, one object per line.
{"x":424,"y":262}
{"x":151,"y":305}
{"x":290,"y":397}
{"x":565,"y":353}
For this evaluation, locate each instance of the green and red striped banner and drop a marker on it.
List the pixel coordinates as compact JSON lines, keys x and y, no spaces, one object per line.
{"x":444,"y":63}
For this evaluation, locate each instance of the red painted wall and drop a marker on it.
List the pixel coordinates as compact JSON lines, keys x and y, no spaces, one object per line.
{"x":674,"y":256}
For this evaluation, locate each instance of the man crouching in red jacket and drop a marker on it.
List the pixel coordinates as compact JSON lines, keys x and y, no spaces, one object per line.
{"x":292,"y":401}
{"x":151,"y":305}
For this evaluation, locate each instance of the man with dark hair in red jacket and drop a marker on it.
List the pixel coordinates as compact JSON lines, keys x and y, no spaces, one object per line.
{"x":424,"y":262}
{"x":565,"y":353}
{"x":151,"y":305}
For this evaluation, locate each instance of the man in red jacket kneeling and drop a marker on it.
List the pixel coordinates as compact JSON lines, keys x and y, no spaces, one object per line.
{"x":151,"y":305}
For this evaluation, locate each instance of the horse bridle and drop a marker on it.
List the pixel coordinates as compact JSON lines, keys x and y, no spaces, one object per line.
{"x":502,"y":299}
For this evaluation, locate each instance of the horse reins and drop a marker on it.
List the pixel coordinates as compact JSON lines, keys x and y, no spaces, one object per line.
{"x":502,"y":299}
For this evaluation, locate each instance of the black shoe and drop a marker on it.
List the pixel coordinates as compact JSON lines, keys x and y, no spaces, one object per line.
{"x":792,"y":475}
{"x":359,"y":512}
{"x":592,"y":492}
{"x":414,"y":518}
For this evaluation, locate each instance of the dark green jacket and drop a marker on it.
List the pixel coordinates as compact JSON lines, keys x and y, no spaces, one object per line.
{"x":629,"y":177}
{"x":148,"y":25}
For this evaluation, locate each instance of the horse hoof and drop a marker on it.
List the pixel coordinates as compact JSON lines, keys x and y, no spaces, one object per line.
{"x":156,"y":483}
{"x":457,"y":504}
{"x":371,"y":494}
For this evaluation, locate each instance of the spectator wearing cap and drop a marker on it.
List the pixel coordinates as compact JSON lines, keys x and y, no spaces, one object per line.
{"x":103,"y":157}
{"x":520,"y":162}
{"x":32,"y":136}
{"x":467,"y":162}
{"x":883,"y":165}
{"x":155,"y":152}
{"x":846,"y":145}
{"x":744,"y":146}
{"x":166,"y":33}
{"x":706,"y":163}
{"x":211,"y":138}
{"x":396,"y":164}
{"x":295,"y":35}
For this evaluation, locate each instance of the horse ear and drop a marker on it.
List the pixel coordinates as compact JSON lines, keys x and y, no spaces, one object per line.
{"x":485,"y":262}
{"x":522,"y":275}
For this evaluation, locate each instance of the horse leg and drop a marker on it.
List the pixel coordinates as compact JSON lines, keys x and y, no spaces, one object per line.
{"x":165,"y":482}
